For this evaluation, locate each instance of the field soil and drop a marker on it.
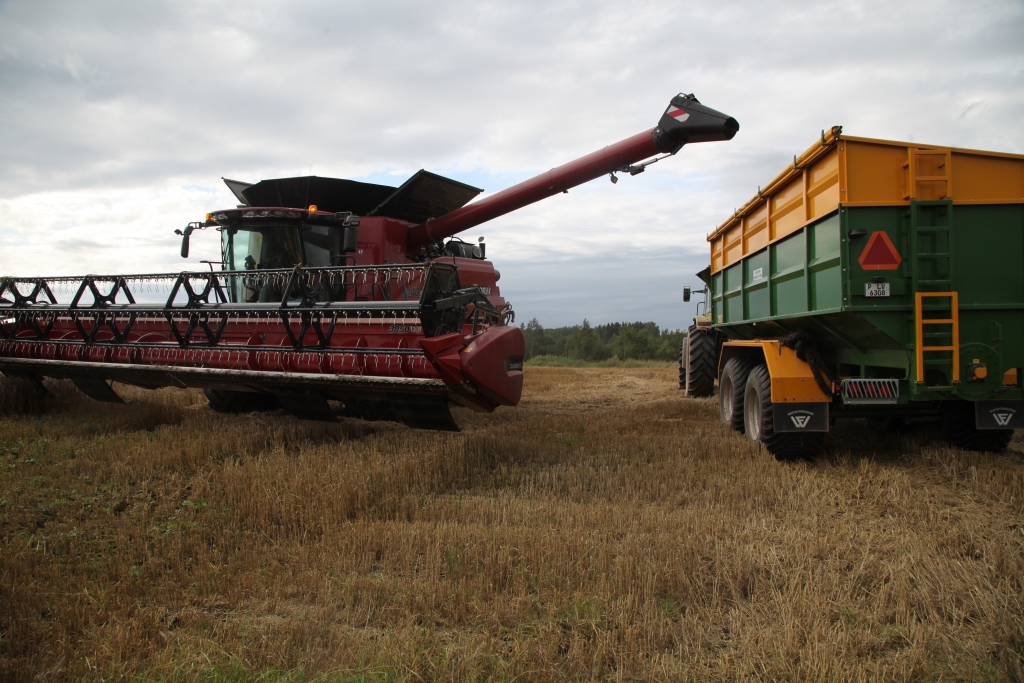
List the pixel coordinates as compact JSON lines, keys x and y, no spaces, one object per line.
{"x":606,"y":529}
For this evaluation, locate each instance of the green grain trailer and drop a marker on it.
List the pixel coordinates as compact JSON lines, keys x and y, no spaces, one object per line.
{"x":871,"y":279}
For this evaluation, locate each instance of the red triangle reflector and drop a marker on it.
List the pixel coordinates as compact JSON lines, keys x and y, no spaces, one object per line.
{"x":879,"y":253}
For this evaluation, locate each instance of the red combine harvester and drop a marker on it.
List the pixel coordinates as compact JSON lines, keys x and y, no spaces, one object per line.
{"x":329,"y":290}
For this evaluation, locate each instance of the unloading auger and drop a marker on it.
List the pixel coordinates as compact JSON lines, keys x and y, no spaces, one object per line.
{"x":329,"y":289}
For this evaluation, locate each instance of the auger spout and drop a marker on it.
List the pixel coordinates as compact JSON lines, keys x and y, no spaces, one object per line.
{"x":685,"y":121}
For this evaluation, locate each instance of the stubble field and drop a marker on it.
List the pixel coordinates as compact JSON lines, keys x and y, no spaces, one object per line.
{"x":607,"y":528}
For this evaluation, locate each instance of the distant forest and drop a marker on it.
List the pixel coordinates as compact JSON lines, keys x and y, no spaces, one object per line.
{"x":625,"y":341}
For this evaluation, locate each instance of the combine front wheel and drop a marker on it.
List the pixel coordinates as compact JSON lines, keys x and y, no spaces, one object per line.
{"x":240,"y":401}
{"x":701,"y":362}
{"x":759,"y":419}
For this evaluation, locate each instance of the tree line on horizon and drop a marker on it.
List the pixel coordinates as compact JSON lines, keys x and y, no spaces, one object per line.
{"x":586,"y":342}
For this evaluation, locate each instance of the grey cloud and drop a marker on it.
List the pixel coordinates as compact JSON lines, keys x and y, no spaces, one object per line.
{"x":128,"y":93}
{"x":81,"y":244}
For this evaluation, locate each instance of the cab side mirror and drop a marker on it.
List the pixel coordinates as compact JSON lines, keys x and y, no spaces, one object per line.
{"x":185,"y":234}
{"x":686,"y":294}
{"x":350,"y":240}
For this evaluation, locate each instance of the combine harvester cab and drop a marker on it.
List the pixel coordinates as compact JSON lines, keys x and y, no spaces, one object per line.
{"x":329,"y":289}
{"x":871,"y":279}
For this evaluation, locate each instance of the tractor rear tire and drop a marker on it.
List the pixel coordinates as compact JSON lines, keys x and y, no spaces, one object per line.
{"x":958,"y":427}
{"x":759,"y":422}
{"x":240,"y":401}
{"x":701,"y":362}
{"x":682,"y":366}
{"x":732,"y":388}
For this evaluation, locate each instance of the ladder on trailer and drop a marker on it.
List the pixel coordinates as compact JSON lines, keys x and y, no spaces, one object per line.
{"x":931,"y":278}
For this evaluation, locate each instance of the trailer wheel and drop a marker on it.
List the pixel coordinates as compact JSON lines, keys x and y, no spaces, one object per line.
{"x":759,"y":422}
{"x":731,"y":390}
{"x":240,"y":401}
{"x":958,"y":427}
{"x":701,"y":362}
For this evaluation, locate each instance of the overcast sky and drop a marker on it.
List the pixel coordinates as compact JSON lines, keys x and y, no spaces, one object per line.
{"x":118,"y":119}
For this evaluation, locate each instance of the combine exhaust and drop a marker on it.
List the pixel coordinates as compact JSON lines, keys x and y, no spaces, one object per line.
{"x":329,"y":290}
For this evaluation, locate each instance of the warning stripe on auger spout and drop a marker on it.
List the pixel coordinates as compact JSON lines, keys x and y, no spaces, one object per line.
{"x":678,"y":114}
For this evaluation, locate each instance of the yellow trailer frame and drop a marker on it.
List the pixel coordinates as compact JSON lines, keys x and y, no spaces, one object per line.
{"x":792,"y":379}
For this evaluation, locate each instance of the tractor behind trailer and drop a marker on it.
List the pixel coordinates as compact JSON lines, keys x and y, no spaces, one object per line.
{"x":870,"y":279}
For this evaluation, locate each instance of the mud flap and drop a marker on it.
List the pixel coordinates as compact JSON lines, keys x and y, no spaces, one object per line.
{"x":97,"y":389}
{"x":800,"y":417}
{"x":1006,"y":414}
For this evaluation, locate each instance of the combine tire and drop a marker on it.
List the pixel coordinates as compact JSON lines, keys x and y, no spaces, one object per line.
{"x":958,"y":427}
{"x":701,"y":362}
{"x":732,"y":388}
{"x":240,"y":401}
{"x":759,"y":422}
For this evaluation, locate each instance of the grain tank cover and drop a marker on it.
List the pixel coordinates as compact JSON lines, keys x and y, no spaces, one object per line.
{"x":237,"y":187}
{"x":687,"y":120}
{"x":426,"y":195}
{"x":329,"y":194}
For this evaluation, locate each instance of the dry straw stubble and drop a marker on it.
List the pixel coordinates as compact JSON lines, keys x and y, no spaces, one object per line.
{"x":606,"y":528}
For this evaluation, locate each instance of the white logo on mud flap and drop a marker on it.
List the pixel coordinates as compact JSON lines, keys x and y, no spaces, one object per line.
{"x":1002,"y":415}
{"x":800,"y":418}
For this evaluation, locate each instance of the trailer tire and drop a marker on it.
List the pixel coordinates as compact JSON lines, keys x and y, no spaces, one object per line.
{"x":701,"y":362}
{"x":759,"y":420}
{"x":959,"y":428}
{"x":240,"y":401}
{"x":732,"y":388}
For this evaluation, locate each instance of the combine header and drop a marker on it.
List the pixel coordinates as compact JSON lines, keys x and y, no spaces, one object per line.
{"x":329,"y":289}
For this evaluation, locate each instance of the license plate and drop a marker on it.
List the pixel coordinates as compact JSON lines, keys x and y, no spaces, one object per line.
{"x":876,"y":289}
